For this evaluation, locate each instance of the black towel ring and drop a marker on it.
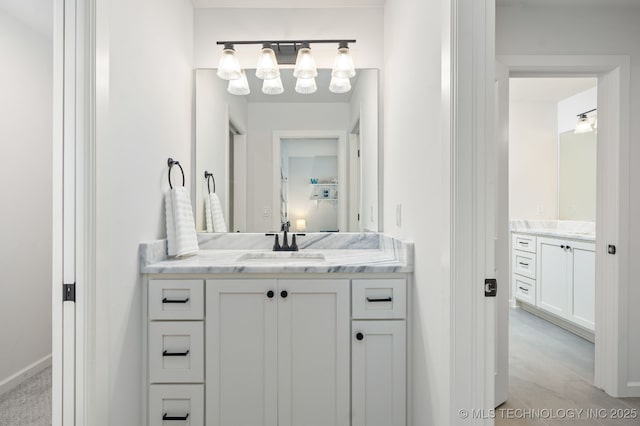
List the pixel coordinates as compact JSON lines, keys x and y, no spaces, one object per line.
{"x":171,"y":162}
{"x":208,"y":175}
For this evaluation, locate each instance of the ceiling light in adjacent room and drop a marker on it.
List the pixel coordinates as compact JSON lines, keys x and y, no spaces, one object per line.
{"x":239,"y":86}
{"x":273,"y":86}
{"x":267,"y":68}
{"x":229,"y":67}
{"x":584,"y":124}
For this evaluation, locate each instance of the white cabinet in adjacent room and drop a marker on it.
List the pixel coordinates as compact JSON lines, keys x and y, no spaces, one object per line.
{"x":582,"y":310}
{"x":553,"y":276}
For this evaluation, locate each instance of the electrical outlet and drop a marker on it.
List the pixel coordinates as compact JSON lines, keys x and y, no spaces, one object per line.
{"x":398,"y":214}
{"x":265,"y":211}
{"x":539,"y":209}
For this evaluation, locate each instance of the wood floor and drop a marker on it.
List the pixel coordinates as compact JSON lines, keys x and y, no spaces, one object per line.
{"x":552,"y":369}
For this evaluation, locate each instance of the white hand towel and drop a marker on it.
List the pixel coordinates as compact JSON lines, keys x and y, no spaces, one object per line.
{"x":207,"y":213}
{"x":181,"y":228}
{"x":217,"y":217}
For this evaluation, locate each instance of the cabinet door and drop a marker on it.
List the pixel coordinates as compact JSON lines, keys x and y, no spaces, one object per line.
{"x":378,"y":368}
{"x":313,"y":352}
{"x":241,"y":352}
{"x":584,"y":285}
{"x":552,"y":289}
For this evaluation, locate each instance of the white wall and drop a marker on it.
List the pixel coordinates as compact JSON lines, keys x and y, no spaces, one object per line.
{"x":365,"y":107}
{"x":362,"y":24}
{"x":26,"y":114}
{"x":533,"y":160}
{"x":215,"y":107}
{"x":589,"y":30}
{"x":264,"y":119}
{"x":417,"y":177}
{"x":148,"y":120}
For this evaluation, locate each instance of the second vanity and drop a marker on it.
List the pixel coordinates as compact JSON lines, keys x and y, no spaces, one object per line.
{"x":241,"y":335}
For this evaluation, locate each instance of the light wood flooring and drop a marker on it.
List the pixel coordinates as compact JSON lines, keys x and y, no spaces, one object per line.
{"x":550,"y":368}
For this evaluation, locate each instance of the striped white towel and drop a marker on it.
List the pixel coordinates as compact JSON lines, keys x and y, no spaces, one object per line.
{"x":181,"y":228}
{"x":213,"y":212}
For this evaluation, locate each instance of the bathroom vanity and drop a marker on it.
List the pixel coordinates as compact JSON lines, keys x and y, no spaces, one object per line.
{"x":242,"y":335}
{"x":553,"y":273}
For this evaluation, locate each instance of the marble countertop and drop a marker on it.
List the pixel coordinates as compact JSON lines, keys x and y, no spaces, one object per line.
{"x":250,"y":253}
{"x":573,"y":230}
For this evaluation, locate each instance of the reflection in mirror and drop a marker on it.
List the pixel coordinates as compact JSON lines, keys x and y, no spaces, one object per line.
{"x":310,"y":160}
{"x":577,"y":176}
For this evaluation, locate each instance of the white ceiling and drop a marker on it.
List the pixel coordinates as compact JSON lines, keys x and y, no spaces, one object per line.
{"x":547,"y":89}
{"x":568,"y":3}
{"x":290,"y":95}
{"x":300,"y":4}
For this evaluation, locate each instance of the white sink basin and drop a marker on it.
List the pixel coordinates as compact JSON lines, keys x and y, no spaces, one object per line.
{"x":283,"y":256}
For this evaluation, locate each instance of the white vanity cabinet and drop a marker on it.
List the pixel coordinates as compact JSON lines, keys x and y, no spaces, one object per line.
{"x":278,"y":352}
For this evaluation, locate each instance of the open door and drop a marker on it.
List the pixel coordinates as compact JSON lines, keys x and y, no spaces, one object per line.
{"x":502,"y":242}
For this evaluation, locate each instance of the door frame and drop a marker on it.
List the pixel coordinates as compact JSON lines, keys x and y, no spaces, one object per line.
{"x":343,"y":161}
{"x":612,"y":209}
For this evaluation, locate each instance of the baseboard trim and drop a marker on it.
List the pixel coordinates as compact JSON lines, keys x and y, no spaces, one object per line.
{"x":21,"y":376}
{"x":575,"y":329}
{"x":633,"y":390}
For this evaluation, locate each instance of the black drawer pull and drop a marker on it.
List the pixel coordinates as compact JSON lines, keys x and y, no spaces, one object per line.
{"x":165,"y":300}
{"x":167,"y":353}
{"x":523,"y":243}
{"x":168,"y":417}
{"x":524,"y":289}
{"x":523,"y":264}
{"x":385,"y":299}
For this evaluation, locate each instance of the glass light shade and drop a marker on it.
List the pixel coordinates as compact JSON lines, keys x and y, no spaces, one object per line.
{"x":305,"y":64}
{"x":239,"y":86}
{"x":267,"y":67}
{"x":343,"y":64}
{"x":339,"y":85}
{"x":594,"y":122}
{"x":229,"y":67}
{"x":306,"y":86}
{"x":583,"y":125}
{"x":273,"y":86}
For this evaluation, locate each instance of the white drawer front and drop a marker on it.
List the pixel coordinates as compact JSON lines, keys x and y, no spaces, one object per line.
{"x":524,"y":264}
{"x":176,"y":299}
{"x":176,"y":352}
{"x":524,"y":242}
{"x":525,"y":289}
{"x":379,"y":299}
{"x":179,"y":405}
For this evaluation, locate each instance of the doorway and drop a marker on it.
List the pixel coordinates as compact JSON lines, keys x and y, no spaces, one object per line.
{"x":612,"y":79}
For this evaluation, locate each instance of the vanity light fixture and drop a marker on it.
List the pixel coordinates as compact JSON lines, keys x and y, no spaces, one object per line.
{"x":585,"y":123}
{"x":275,"y":53}
{"x":239,"y":86}
{"x":343,"y":64}
{"x":229,"y":67}
{"x":272,"y":86}
{"x":267,"y":68}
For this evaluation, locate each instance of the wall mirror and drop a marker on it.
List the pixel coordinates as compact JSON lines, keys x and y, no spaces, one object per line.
{"x":310,"y":160}
{"x":577,"y":176}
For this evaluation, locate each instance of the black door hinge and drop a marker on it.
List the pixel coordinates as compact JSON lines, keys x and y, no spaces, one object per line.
{"x":358,"y":153}
{"x":69,"y":292}
{"x":358,"y":217}
{"x":490,"y":287}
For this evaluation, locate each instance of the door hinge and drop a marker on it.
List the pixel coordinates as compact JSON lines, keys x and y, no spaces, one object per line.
{"x":69,"y":292}
{"x":490,"y":287}
{"x":358,"y":153}
{"x":358,"y":217}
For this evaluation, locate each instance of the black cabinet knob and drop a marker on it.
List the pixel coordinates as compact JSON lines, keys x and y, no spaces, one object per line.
{"x":562,"y":246}
{"x":284,"y":294}
{"x":359,"y":336}
{"x":270,"y":294}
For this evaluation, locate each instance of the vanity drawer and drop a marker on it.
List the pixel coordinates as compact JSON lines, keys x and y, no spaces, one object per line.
{"x":524,"y":242}
{"x":176,"y":299}
{"x":524,"y":263}
{"x":525,"y":289}
{"x":176,"y":405}
{"x":379,"y":299}
{"x":176,"y":352}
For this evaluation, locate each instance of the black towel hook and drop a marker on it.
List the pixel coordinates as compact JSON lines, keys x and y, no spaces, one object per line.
{"x":171,"y":162}
{"x":208,"y":175}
